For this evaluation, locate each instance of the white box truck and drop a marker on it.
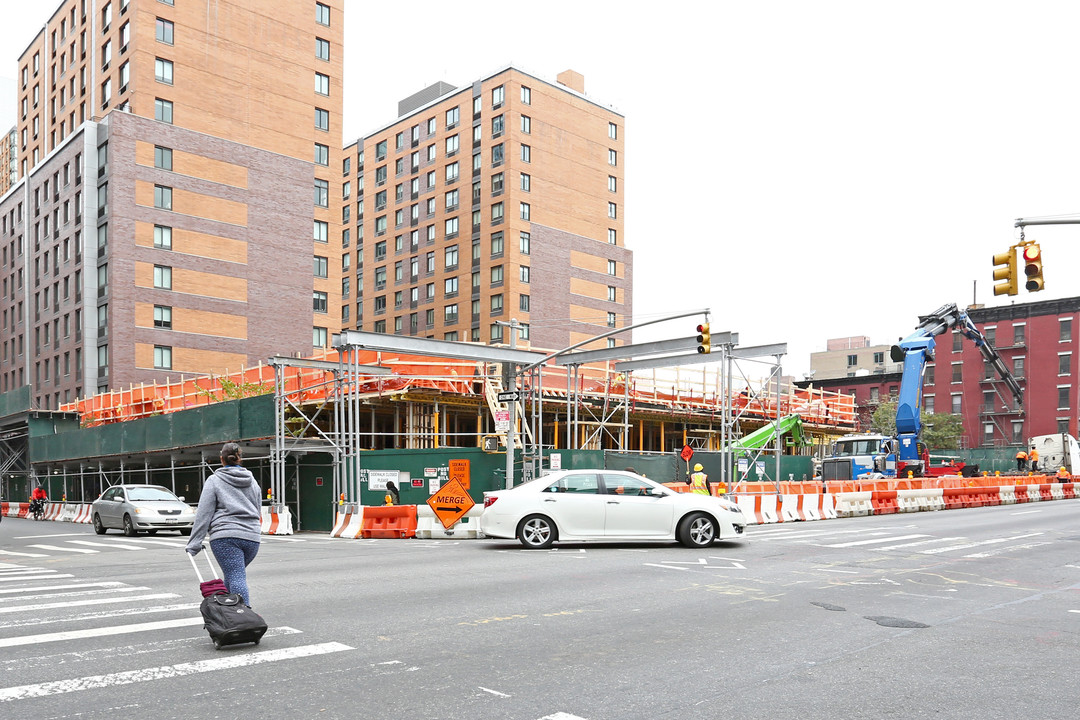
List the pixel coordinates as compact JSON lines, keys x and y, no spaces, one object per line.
{"x":1057,"y":451}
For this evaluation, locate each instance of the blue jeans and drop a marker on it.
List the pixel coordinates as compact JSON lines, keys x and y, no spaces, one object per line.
{"x":234,"y":555}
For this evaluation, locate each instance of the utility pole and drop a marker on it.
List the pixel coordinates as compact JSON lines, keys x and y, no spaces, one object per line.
{"x":511,"y":435}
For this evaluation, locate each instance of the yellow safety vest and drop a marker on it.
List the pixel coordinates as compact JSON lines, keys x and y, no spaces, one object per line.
{"x":699,"y":483}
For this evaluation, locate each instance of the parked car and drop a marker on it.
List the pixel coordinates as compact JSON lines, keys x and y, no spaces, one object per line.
{"x":136,"y":508}
{"x":572,"y":505}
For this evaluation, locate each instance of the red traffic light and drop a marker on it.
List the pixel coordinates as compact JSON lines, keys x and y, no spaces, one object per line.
{"x":1033,"y":267}
{"x":1032,"y":253}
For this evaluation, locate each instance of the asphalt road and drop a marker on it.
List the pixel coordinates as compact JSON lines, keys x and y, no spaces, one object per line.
{"x":955,"y":614}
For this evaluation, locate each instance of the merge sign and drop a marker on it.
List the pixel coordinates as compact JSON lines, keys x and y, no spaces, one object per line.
{"x":451,"y":503}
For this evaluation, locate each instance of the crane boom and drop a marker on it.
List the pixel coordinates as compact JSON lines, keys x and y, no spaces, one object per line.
{"x":914,"y":351}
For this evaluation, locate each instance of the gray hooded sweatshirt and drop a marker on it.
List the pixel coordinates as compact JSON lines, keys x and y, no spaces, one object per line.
{"x":228,"y":507}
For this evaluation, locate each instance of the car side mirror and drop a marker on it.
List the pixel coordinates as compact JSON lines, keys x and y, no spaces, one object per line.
{"x":181,"y":498}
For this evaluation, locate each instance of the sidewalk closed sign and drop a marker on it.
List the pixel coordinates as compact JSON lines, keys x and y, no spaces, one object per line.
{"x":459,"y":470}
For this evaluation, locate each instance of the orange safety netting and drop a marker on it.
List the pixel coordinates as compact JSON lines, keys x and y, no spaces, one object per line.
{"x":688,"y":393}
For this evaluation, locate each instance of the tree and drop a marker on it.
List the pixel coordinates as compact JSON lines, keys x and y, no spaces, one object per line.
{"x":939,"y":430}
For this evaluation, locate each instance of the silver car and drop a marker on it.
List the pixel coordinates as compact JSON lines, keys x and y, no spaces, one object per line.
{"x":136,"y":508}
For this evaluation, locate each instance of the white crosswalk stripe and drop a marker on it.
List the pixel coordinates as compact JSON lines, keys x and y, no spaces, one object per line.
{"x":59,"y":548}
{"x":106,"y":641}
{"x":893,"y":539}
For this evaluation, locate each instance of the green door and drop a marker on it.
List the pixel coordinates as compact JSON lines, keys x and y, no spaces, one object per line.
{"x":316,"y":494}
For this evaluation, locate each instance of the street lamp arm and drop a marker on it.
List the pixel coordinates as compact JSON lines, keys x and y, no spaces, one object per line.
{"x":1048,"y":220}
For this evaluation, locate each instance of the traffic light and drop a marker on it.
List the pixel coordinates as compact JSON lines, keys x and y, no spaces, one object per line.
{"x":1033,"y":267}
{"x":704,"y":339}
{"x":1007,"y":272}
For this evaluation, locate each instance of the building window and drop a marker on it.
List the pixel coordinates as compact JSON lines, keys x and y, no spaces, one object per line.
{"x":322,"y":193}
{"x":451,"y":226}
{"x":163,"y":277}
{"x":164,"y":31}
{"x":526,"y":211}
{"x":958,"y":372}
{"x":526,"y":153}
{"x":612,"y":210}
{"x":1064,"y":363}
{"x":322,"y":119}
{"x":322,"y":230}
{"x":612,"y":183}
{"x":526,"y":95}
{"x":163,"y":71}
{"x":613,"y":131}
{"x":526,"y":182}
{"x":928,"y":404}
{"x":163,"y":197}
{"x":1065,"y":329}
{"x":1063,"y":425}
{"x":852,"y":360}
{"x":497,"y":304}
{"x":1018,"y":367}
{"x":322,"y":14}
{"x":612,"y":236}
{"x":162,"y":357}
{"x":163,"y":158}
{"x":526,"y":124}
{"x":496,"y":332}
{"x":163,"y":110}
{"x":322,"y":84}
{"x":318,"y":301}
{"x":496,"y":126}
{"x":611,"y":319}
{"x":321,"y":266}
{"x":524,"y":243}
{"x":613,"y":158}
{"x":497,"y":245}
{"x":452,"y":144}
{"x":523,"y":303}
{"x":163,"y":317}
{"x":322,"y":49}
{"x":322,"y":154}
{"x":452,"y":117}
{"x":497,"y":96}
{"x":612,"y":268}
{"x":525,"y":274}
{"x":956,"y":404}
{"x":163,"y":237}
{"x":497,"y":213}
{"x":612,"y":293}
{"x":1019,"y":334}
{"x":450,"y":257}
{"x":318,"y":336}
{"x":496,"y":275}
{"x":451,"y":172}
{"x":450,"y":287}
{"x":1063,"y":397}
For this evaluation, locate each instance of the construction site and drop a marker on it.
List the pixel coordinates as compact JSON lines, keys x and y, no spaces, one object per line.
{"x":323,"y":431}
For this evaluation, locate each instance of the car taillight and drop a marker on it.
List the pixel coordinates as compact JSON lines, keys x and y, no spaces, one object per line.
{"x":489,"y":500}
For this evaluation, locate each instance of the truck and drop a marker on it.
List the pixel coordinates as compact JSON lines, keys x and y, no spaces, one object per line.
{"x":1060,"y":450}
{"x":877,"y":455}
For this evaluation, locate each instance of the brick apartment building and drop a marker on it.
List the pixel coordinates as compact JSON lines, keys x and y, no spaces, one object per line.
{"x":171,"y":157}
{"x":495,"y":200}
{"x":1037,"y":342}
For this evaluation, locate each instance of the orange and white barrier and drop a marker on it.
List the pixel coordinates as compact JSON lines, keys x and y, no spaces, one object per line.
{"x":349,"y":522}
{"x":429,"y":527}
{"x":759,"y":509}
{"x":84,"y":512}
{"x":276,"y":520}
{"x":852,"y":504}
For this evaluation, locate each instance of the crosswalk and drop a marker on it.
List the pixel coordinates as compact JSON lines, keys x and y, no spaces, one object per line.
{"x":59,"y":632}
{"x":73,"y":544}
{"x":899,"y":540}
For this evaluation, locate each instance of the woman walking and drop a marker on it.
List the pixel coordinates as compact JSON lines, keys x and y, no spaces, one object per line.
{"x":229,"y":510}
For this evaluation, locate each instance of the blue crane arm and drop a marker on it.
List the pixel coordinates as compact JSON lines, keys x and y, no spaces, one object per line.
{"x":914,"y":351}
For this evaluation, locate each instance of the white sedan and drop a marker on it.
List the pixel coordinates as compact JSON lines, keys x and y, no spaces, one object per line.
{"x":572,"y":505}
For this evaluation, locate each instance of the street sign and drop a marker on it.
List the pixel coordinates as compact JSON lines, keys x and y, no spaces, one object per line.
{"x":451,"y":503}
{"x":459,"y":470}
{"x":687,"y":453}
{"x":502,"y":421}
{"x":509,"y":396}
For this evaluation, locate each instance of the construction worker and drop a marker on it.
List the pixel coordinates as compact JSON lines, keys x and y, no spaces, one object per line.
{"x":1063,"y":475}
{"x":1021,"y":460}
{"x":699,"y":481}
{"x":1033,"y":458}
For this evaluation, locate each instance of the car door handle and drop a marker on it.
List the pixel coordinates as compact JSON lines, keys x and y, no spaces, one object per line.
{"x":549,"y":499}
{"x":612,"y":502}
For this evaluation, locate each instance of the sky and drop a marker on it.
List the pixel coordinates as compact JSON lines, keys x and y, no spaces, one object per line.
{"x":803,"y":170}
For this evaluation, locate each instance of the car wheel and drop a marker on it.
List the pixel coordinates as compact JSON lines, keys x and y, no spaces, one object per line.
{"x":537,"y":532}
{"x":129,"y":527}
{"x":98,"y":527}
{"x":697,"y":531}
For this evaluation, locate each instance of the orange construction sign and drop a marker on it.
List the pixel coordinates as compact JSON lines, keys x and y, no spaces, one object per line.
{"x":451,"y":503}
{"x":459,"y":470}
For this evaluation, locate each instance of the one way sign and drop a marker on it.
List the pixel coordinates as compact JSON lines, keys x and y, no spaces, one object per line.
{"x":451,"y":503}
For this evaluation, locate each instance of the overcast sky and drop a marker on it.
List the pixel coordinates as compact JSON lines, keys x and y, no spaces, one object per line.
{"x":807,"y":170}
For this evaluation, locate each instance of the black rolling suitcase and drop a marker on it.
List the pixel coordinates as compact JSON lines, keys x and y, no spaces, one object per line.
{"x":225,"y":616}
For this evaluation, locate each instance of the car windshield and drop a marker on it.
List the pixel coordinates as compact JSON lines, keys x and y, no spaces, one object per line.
{"x":150,"y":493}
{"x":865,"y":446}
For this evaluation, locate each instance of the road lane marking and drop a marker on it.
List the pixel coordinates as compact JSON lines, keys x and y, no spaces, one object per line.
{"x":92,"y":616}
{"x":108,"y":545}
{"x":493,"y":692}
{"x":1003,"y":550}
{"x":855,"y":543}
{"x":921,"y":542}
{"x":562,"y":716}
{"x":77,"y":603}
{"x":19,"y":554}
{"x":1025,"y":512}
{"x":669,"y":567}
{"x":61,"y":549}
{"x":58,"y":687}
{"x":99,"y":632}
{"x":43,"y":575}
{"x":800,"y":534}
{"x":38,"y":537}
{"x":965,"y":546}
{"x":166,"y":543}
{"x":6,"y":591}
{"x":79,"y":593}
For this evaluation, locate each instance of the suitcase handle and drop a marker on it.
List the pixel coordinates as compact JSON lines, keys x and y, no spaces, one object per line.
{"x":213,"y":572}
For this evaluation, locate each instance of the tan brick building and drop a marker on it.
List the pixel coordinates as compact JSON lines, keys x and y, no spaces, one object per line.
{"x":224,"y":107}
{"x":496,"y":200}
